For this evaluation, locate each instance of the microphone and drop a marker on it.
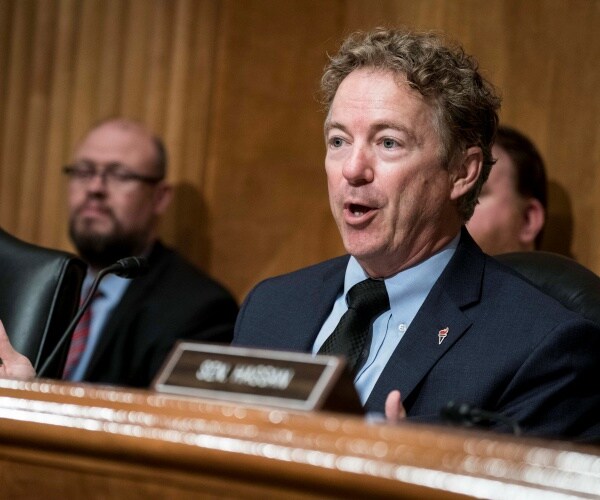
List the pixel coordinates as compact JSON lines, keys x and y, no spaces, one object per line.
{"x":129,"y":268}
{"x":468,"y":415}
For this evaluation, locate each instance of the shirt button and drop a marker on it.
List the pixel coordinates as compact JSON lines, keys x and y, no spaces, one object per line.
{"x":401,"y":327}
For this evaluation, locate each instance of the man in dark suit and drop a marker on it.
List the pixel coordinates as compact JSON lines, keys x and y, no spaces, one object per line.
{"x":117,"y":192}
{"x":409,"y":131}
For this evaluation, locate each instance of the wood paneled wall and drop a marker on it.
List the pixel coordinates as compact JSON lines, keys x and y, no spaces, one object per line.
{"x":231,"y":86}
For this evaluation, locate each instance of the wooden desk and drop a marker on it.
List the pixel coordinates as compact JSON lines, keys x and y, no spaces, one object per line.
{"x":63,"y":440}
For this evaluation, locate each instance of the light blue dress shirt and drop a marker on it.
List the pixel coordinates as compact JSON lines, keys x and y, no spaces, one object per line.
{"x":112,"y":288}
{"x":407,"y":291}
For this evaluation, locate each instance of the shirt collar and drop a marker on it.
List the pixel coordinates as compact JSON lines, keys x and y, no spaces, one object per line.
{"x":416,"y":280}
{"x":111,"y":286}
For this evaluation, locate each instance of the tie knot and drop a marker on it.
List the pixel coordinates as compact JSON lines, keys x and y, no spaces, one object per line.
{"x":369,"y":297}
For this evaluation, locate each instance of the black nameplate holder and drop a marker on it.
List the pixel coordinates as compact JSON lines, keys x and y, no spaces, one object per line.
{"x":260,"y":377}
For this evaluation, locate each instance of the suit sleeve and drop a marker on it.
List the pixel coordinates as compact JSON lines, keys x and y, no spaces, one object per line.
{"x":555,"y":392}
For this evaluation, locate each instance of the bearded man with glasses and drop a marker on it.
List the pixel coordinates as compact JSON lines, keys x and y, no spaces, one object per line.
{"x":117,"y":193}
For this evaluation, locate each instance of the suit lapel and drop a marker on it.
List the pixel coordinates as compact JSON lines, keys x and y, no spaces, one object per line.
{"x":120,"y":317}
{"x":420,"y":348}
{"x":320,"y":302}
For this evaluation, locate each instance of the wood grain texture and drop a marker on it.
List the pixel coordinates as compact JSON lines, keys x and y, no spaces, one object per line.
{"x":84,"y":441}
{"x":231,"y":86}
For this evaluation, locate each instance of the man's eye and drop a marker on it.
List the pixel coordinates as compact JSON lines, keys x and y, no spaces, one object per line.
{"x":83,"y":173}
{"x":389,"y":143}
{"x":336,"y":142}
{"x":119,"y":175}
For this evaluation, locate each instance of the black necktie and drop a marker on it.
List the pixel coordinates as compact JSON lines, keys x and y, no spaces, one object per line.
{"x":366,"y":300}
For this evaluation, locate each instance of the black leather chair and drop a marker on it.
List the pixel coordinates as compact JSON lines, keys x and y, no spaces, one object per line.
{"x":39,"y":295}
{"x":572,"y":284}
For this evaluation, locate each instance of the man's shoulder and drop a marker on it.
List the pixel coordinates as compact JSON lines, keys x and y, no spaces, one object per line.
{"x":174,"y":293}
{"x":294,"y":303}
{"x":299,"y":289}
{"x":315,"y":273}
{"x":172,"y":274}
{"x":172,"y":264}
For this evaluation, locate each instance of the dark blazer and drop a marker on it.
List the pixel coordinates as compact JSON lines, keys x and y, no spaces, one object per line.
{"x":510,"y":348}
{"x":172,"y":301}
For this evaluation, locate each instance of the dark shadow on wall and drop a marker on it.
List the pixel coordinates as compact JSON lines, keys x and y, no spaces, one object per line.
{"x":185,"y":225}
{"x":558,"y":231}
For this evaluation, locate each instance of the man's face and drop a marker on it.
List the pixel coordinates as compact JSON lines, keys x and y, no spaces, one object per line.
{"x":499,"y":216}
{"x":390,"y":194}
{"x":110,"y":220}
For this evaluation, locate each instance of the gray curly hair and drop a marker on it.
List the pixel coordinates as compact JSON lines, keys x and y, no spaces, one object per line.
{"x":465,"y":104}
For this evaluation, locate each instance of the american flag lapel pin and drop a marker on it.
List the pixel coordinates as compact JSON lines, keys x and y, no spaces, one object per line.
{"x":442,"y":334}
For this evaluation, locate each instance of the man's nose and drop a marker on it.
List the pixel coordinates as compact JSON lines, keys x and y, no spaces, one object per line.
{"x":359,"y":168}
{"x":97,"y":183}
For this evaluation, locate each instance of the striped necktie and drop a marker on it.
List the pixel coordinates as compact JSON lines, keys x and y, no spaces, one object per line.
{"x":79,"y":340}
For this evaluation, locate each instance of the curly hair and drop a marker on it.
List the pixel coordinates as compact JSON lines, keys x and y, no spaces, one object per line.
{"x":465,"y":105}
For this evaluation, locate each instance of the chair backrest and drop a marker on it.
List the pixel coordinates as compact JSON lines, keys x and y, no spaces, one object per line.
{"x":572,"y":284}
{"x":39,"y":295}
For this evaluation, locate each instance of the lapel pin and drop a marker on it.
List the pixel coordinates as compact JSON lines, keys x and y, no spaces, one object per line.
{"x":442,"y":334}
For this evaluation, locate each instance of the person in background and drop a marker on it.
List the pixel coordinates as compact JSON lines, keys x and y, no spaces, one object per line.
{"x":424,"y":317}
{"x":117,"y":192}
{"x":511,"y":212}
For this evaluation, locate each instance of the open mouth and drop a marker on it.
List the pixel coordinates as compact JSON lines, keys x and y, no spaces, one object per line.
{"x":358,"y":210}
{"x":357,"y":214}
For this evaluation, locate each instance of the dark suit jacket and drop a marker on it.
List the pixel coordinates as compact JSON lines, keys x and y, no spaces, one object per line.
{"x":172,"y":301}
{"x":510,"y":348}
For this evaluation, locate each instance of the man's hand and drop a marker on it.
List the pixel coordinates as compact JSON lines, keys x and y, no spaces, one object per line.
{"x":13,"y":364}
{"x":394,"y":410}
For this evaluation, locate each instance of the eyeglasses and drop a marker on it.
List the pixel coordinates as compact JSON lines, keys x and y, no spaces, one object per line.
{"x":114,"y":174}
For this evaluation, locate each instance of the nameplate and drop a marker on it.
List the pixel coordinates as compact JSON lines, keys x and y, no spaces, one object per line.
{"x":258,"y":377}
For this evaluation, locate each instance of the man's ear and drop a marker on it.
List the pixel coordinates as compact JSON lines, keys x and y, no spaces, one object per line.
{"x":162,"y":197}
{"x":533,"y":220}
{"x":465,"y":174}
